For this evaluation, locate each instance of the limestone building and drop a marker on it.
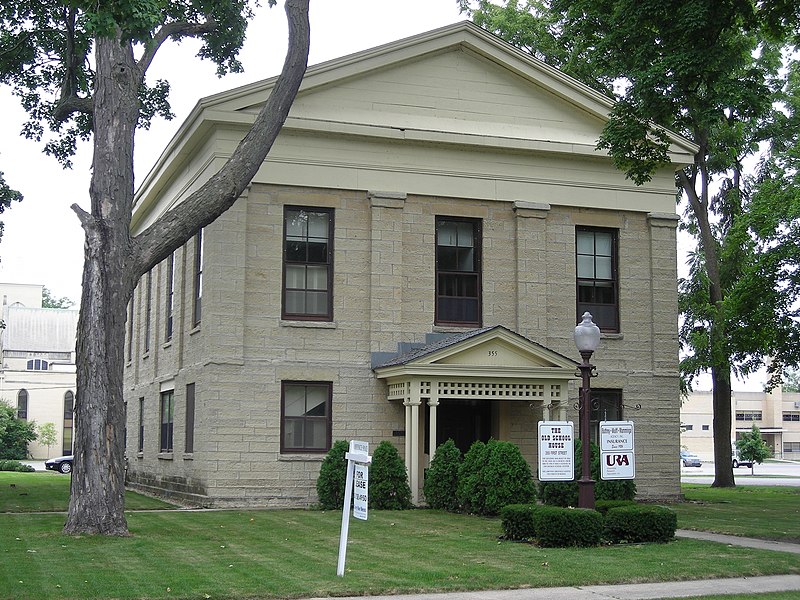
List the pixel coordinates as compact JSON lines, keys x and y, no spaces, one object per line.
{"x":409,"y":265}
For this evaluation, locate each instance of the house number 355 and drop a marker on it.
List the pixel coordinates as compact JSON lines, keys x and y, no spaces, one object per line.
{"x":492,"y":352}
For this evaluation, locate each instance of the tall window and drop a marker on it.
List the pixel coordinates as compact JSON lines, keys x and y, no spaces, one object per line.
{"x":306,"y":416}
{"x":69,"y":408}
{"x":140,"y":441}
{"x":189,"y":446}
{"x":458,"y":272}
{"x":606,"y":406}
{"x":167,"y":415}
{"x":130,"y":326}
{"x":197,"y":304}
{"x":308,"y":263}
{"x":169,"y":300}
{"x":22,"y":405}
{"x":148,"y":306}
{"x":597,"y":283}
{"x":37,"y":364}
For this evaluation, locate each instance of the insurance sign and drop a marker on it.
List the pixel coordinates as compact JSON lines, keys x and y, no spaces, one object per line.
{"x":617,"y":458}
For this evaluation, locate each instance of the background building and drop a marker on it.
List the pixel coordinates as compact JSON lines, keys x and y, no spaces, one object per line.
{"x":775,"y":413}
{"x":37,"y":376}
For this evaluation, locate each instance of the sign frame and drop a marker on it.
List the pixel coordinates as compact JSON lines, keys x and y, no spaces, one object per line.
{"x":556,"y":450}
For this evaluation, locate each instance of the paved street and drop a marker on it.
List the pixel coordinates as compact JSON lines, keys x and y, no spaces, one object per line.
{"x":769,"y":473}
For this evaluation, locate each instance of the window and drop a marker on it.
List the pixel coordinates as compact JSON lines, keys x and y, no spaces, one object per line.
{"x":167,"y":415}
{"x":69,"y":408}
{"x":305,"y":416}
{"x":308,"y":263}
{"x":791,"y":416}
{"x":130,"y":326}
{"x":148,"y":306}
{"x":688,"y":427}
{"x":458,"y":272}
{"x":791,"y":446}
{"x":748,"y":415}
{"x":22,"y":405}
{"x":197,"y":305}
{"x":37,"y":364}
{"x":189,"y":445}
{"x":596,"y":263}
{"x":140,"y":442}
{"x":606,"y":406}
{"x":169,"y":301}
{"x":706,"y":427}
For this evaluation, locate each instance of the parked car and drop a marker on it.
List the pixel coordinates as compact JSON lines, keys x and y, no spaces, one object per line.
{"x":690,"y":459}
{"x":736,"y":461}
{"x":62,"y":464}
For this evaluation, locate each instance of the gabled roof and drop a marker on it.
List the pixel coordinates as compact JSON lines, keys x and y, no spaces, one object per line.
{"x":457,"y":87}
{"x":491,"y":351}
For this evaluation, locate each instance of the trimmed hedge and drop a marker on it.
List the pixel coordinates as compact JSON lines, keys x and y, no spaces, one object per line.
{"x":603,"y":506}
{"x":441,"y":479}
{"x":517,"y":521}
{"x":15,"y":465}
{"x":640,"y":523}
{"x":558,"y":527}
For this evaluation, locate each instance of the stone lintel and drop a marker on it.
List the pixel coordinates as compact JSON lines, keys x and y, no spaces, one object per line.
{"x":659,"y":219}
{"x":386,"y":199}
{"x":524,"y":208}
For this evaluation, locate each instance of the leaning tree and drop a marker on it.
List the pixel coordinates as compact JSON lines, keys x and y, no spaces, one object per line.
{"x":79,"y":69}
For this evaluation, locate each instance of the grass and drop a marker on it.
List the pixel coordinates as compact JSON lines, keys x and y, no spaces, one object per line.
{"x":293,"y":553}
{"x":767,"y":512}
{"x":45,"y":492}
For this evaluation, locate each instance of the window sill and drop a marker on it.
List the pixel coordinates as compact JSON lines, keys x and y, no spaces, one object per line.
{"x":308,"y":324}
{"x":166,"y":344}
{"x":188,"y":456}
{"x":300,"y":457}
{"x":195,"y":329}
{"x":140,"y":455}
{"x":453,"y":328}
{"x":611,"y":336}
{"x":165,"y":456}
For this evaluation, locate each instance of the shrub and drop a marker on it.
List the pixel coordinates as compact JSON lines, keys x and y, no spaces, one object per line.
{"x":469,"y":492}
{"x":493,"y":475}
{"x":640,"y":523}
{"x":558,"y":527}
{"x":517,"y":521}
{"x":388,"y":481}
{"x":332,"y":475}
{"x":565,"y":493}
{"x":603,"y":506}
{"x":14,"y":434}
{"x":15,"y":465}
{"x":441,"y":480}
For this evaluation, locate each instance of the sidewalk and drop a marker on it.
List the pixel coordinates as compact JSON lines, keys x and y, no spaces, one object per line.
{"x":631,"y":591}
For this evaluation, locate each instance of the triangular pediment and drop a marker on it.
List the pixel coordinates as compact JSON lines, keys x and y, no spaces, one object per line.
{"x":494,"y":350}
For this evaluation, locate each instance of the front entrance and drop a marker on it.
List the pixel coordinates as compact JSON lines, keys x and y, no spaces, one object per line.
{"x":464,"y":421}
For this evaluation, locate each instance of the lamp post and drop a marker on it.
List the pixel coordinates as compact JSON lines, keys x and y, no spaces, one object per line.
{"x":587,"y":338}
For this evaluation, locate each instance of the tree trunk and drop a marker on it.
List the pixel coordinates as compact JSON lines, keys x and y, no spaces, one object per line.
{"x":721,"y":395}
{"x":98,"y":478}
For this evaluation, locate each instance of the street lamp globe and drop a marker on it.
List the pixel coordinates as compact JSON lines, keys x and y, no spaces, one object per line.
{"x":587,"y":335}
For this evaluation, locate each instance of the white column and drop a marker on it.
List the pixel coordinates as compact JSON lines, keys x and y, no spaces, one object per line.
{"x":413,"y":440}
{"x":409,"y":452}
{"x":433,"y":403}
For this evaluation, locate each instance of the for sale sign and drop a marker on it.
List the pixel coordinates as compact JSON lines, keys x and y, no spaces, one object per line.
{"x":617,"y":459}
{"x":556,"y":451}
{"x":360,"y":491}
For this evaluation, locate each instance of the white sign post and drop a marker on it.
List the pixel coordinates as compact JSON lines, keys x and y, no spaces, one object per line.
{"x":556,"y":451}
{"x":617,"y":459}
{"x":358,"y":460}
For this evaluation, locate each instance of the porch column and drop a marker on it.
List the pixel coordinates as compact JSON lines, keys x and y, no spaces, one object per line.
{"x":412,"y":439}
{"x":409,"y":437}
{"x":433,"y":403}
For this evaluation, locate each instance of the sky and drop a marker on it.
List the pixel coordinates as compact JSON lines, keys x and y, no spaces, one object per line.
{"x":43,"y":242}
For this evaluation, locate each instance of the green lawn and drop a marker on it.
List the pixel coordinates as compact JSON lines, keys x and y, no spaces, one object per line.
{"x":49,"y":491}
{"x":768,"y":512}
{"x":251,"y":554}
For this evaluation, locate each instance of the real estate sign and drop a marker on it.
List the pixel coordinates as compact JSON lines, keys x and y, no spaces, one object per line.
{"x":617,"y":459}
{"x":360,"y":491}
{"x":556,"y":451}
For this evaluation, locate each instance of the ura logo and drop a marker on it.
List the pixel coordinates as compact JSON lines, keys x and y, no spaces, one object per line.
{"x":617,"y":459}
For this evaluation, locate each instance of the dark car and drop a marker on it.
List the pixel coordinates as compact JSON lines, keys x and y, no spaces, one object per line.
{"x":62,"y":464}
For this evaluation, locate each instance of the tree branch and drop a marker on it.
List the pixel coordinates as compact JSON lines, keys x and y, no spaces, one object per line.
{"x":177,"y":29}
{"x":175,"y":227}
